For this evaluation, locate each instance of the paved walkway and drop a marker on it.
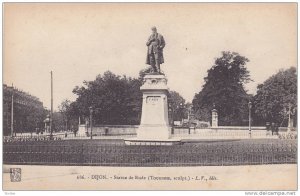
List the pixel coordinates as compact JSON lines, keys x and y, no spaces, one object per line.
{"x":254,"y":177}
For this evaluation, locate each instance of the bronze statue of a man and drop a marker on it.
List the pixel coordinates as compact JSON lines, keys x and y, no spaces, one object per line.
{"x":156,"y":44}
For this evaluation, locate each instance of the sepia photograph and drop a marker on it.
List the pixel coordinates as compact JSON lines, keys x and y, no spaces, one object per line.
{"x":150,"y":96}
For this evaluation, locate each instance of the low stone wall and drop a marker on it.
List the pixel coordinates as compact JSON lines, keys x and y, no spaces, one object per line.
{"x":219,"y":129}
{"x":110,"y":130}
{"x":229,"y":128}
{"x":220,"y":134}
{"x":226,"y":132}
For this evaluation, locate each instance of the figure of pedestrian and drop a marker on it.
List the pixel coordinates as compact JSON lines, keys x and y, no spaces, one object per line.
{"x":75,"y":132}
{"x":276,"y":128}
{"x":268,"y":127}
{"x":273,"y":127}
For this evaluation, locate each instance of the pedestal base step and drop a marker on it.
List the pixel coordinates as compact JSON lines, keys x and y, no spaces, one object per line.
{"x":152,"y":142}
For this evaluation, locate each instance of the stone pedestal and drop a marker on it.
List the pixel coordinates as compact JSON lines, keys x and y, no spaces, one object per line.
{"x":154,"y":128}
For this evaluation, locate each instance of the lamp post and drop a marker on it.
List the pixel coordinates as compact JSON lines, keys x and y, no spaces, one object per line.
{"x":250,"y":106}
{"x":289,"y":122}
{"x":171,"y":112}
{"x":171,"y":116}
{"x":181,"y":110}
{"x":12,"y":113}
{"x":91,"y":121}
{"x":51,"y":111}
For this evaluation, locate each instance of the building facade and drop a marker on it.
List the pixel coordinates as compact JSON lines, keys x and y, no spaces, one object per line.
{"x":28,"y":111}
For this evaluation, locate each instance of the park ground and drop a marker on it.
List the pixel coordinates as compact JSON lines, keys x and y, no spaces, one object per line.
{"x":251,"y":177}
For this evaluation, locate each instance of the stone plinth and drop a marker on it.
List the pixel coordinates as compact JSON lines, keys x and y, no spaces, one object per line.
{"x":154,"y":120}
{"x":154,"y":128}
{"x":152,"y":142}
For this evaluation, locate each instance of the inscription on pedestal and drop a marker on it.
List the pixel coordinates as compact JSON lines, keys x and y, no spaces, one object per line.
{"x":152,"y":100}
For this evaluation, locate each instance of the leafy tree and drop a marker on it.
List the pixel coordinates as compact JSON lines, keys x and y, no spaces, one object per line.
{"x":178,"y":105}
{"x":224,"y":88}
{"x":59,"y":123}
{"x":274,"y":96}
{"x":63,"y":109}
{"x":66,"y":113}
{"x":35,"y":118}
{"x":115,"y":99}
{"x":27,"y":118}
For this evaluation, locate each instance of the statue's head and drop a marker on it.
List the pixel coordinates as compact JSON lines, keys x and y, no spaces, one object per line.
{"x":154,"y":30}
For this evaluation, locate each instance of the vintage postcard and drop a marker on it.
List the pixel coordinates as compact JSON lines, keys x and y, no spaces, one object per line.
{"x":150,"y":96}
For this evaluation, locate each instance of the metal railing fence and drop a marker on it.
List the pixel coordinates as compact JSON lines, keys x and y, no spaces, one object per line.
{"x":116,"y":153}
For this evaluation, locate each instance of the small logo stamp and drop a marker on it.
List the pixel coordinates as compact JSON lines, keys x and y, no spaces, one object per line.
{"x":15,"y":174}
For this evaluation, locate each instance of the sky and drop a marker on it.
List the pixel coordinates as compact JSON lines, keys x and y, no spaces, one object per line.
{"x":79,"y":41}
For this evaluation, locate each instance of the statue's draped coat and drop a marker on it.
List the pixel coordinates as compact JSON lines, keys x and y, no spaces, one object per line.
{"x":158,"y":47}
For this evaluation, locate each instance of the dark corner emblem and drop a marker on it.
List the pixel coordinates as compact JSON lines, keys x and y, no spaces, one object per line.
{"x":15,"y":174}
